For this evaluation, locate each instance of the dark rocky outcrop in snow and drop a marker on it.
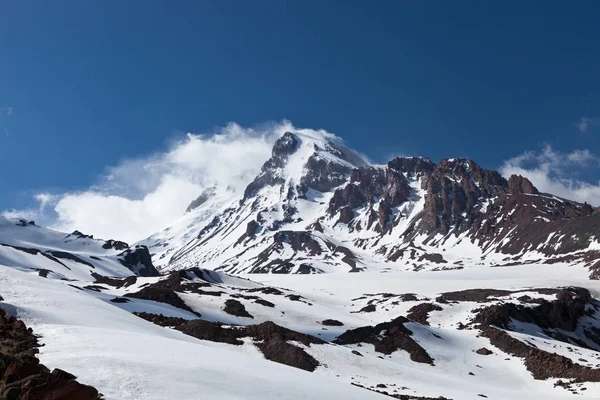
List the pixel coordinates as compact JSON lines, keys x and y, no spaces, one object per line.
{"x":561,"y":319}
{"x":332,"y":322}
{"x":387,"y":337}
{"x":420,"y":312}
{"x":234,"y":307}
{"x":271,"y":339}
{"x":115,"y":244}
{"x":139,"y":261}
{"x":23,"y":377}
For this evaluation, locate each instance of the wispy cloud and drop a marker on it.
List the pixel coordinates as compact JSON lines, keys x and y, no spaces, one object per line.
{"x":552,"y":171}
{"x":140,"y":196}
{"x":6,"y":111}
{"x":585,"y":124}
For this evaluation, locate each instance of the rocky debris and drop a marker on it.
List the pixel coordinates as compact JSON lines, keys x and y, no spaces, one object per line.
{"x":115,"y":244}
{"x":398,"y":396}
{"x":420,"y":312}
{"x":519,"y":185}
{"x":270,"y":338}
{"x":332,"y":322}
{"x":115,"y":282}
{"x":562,"y":314}
{"x":412,"y":165}
{"x":541,"y":364}
{"x":234,"y":307}
{"x":483,"y":351}
{"x":161,"y":320}
{"x":162,"y":296}
{"x":24,"y":377}
{"x":475,"y":295}
{"x":299,"y":241}
{"x":266,"y":290}
{"x":357,"y":353}
{"x":368,"y":309}
{"x":80,"y":235}
{"x":139,"y":261}
{"x":251,"y":228}
{"x":120,"y":300}
{"x":387,"y":337}
{"x":265,"y":303}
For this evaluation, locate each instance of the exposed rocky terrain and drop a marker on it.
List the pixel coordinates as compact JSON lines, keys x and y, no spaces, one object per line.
{"x":317,"y":207}
{"x":412,"y":280}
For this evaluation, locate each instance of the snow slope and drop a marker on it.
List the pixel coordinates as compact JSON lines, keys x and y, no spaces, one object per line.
{"x":71,"y":256}
{"x":126,"y":357}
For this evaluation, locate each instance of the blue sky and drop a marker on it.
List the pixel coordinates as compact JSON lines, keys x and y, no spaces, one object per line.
{"x":87,"y":85}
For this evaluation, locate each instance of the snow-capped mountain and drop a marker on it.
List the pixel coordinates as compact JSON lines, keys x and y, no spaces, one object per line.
{"x":251,"y":296}
{"x":317,"y":206}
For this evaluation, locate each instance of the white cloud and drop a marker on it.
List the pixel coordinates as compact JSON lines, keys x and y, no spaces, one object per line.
{"x":7,"y":111}
{"x":552,"y":172}
{"x":585,"y":123}
{"x":141,"y":196}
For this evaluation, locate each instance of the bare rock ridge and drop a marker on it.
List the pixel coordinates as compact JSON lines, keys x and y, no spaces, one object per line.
{"x":408,"y":213}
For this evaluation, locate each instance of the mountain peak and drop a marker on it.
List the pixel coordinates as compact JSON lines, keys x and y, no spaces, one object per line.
{"x":306,"y":160}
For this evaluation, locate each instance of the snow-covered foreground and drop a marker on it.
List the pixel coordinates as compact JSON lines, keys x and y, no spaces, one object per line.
{"x":126,"y":357}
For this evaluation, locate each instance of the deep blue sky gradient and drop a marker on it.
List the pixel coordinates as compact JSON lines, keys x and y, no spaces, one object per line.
{"x":93,"y":82}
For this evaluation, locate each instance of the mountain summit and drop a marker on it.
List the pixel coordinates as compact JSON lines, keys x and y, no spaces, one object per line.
{"x":316,"y":206}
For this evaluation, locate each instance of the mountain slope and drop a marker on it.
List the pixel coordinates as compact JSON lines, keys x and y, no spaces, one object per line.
{"x":317,"y":206}
{"x":69,"y":256}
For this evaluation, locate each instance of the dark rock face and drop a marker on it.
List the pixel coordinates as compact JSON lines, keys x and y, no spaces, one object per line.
{"x":346,"y":215}
{"x":367,"y":186}
{"x":139,"y":261}
{"x":161,"y":320}
{"x":331,"y":322}
{"x":284,"y":146}
{"x":412,"y":165}
{"x":420,"y":312}
{"x":519,"y":185}
{"x":162,"y":296}
{"x":387,"y":337}
{"x":323,"y":175}
{"x":22,"y":375}
{"x":251,"y":228}
{"x":563,"y":314}
{"x":115,"y":244}
{"x":270,"y":338}
{"x":454,"y":189}
{"x":234,"y":307}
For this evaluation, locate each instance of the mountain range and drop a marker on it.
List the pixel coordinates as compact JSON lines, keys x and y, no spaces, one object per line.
{"x":327,"y":277}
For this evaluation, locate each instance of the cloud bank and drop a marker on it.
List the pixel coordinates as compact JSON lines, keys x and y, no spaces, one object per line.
{"x":141,"y":196}
{"x":555,"y":172}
